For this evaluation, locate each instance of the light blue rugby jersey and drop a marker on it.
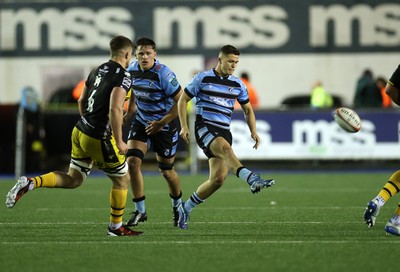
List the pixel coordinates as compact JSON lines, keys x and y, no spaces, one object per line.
{"x":215,"y":97}
{"x":154,"y":90}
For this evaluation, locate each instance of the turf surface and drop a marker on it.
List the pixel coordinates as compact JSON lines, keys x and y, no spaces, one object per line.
{"x":306,"y":222}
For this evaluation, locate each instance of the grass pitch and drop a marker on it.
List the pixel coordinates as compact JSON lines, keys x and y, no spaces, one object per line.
{"x":306,"y":222}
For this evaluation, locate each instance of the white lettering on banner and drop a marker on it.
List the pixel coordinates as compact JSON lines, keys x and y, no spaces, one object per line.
{"x":71,"y":29}
{"x":377,"y":26}
{"x":241,"y":135}
{"x":206,"y":27}
{"x":262,"y":26}
{"x":324,"y":133}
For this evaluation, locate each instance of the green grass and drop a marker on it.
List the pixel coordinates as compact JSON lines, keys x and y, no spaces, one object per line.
{"x":315,"y":225}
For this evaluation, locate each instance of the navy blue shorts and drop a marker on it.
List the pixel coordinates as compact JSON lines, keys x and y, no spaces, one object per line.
{"x":206,"y":133}
{"x":164,"y":143}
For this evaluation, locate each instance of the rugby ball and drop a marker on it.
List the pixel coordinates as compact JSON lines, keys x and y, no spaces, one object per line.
{"x":347,"y":119}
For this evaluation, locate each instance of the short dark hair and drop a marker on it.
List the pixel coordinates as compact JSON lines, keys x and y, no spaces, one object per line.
{"x":244,"y":75}
{"x":143,"y":41}
{"x":229,"y":49}
{"x":118,"y":43}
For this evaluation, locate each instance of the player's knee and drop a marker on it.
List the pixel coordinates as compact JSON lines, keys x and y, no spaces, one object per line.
{"x":83,"y":168}
{"x":134,"y":158}
{"x":218,"y":180}
{"x":166,"y":169}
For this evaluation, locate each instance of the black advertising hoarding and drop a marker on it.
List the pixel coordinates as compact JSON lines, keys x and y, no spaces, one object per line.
{"x":200,"y":27}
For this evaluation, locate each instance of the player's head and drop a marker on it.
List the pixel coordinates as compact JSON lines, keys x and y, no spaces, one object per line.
{"x":228,"y":59}
{"x":145,"y":52}
{"x":121,"y":48}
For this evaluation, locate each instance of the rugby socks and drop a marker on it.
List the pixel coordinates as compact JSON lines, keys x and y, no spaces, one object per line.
{"x":176,"y":200}
{"x":192,"y":202}
{"x":117,"y":206}
{"x":47,"y":180}
{"x":139,"y":204}
{"x":391,"y":188}
{"x":244,"y":173}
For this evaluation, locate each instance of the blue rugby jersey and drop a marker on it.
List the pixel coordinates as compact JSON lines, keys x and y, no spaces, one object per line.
{"x":215,"y":97}
{"x":154,"y":90}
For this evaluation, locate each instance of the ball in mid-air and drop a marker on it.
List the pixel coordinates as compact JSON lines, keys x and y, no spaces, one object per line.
{"x":347,"y":119}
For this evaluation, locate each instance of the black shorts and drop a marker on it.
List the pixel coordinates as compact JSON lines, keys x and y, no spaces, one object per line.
{"x":164,"y":143}
{"x":206,"y":133}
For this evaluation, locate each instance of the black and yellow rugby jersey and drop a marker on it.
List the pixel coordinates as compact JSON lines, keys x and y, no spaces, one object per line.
{"x":100,"y":83}
{"x":395,"y":78}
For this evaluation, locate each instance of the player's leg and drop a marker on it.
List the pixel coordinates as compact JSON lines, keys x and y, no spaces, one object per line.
{"x":217,"y":175}
{"x":79,"y":169}
{"x":391,"y":188}
{"x":136,"y":151}
{"x":107,"y":157}
{"x":221,"y":148}
{"x":118,"y":196}
{"x":167,"y":170}
{"x":165,"y":144}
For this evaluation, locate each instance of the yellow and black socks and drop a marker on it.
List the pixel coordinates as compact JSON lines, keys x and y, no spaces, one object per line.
{"x":47,"y":180}
{"x":391,"y":188}
{"x":117,"y":206}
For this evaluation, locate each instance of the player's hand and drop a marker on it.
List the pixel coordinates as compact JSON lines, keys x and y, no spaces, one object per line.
{"x":154,"y":127}
{"x":185,"y":134}
{"x":122,"y":147}
{"x":256,"y":138}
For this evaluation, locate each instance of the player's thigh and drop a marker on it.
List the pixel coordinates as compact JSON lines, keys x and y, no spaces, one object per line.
{"x":218,"y":169}
{"x":78,"y":151}
{"x":219,"y":147}
{"x":104,"y":152}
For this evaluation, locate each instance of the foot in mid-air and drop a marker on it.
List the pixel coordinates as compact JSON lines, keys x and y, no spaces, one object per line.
{"x":20,"y":188}
{"x":136,"y":218}
{"x":183,"y":216}
{"x":256,"y":183}
{"x":123,"y":231}
{"x":371,"y":212}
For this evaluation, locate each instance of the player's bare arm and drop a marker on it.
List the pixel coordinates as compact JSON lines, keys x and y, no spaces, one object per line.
{"x":116,"y":117}
{"x":155,"y":126}
{"x":83,"y":100}
{"x":182,"y":112}
{"x":251,"y":123}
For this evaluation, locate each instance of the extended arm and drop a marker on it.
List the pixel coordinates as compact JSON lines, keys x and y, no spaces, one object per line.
{"x":251,"y":123}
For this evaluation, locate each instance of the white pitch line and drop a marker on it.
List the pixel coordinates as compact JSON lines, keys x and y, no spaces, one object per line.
{"x":137,"y":241}
{"x":267,"y":207}
{"x":194,"y":223}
